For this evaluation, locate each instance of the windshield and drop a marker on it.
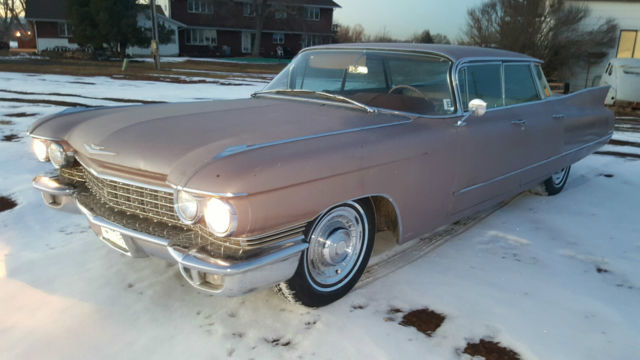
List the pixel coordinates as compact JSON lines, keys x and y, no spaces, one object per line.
{"x":391,"y":80}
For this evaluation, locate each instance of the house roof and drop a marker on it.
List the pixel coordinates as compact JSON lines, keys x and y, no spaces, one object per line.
{"x":453,"y":52}
{"x":45,"y":10}
{"x":319,"y":3}
{"x":56,"y":10}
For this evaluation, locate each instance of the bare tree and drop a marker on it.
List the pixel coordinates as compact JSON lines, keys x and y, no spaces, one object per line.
{"x":262,"y":9}
{"x":426,"y":37}
{"x":547,"y":29}
{"x":10,"y":12}
{"x":348,"y":34}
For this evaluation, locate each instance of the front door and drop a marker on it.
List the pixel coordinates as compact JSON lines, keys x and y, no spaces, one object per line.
{"x":490,"y":149}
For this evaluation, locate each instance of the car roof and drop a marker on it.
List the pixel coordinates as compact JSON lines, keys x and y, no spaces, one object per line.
{"x":453,"y":52}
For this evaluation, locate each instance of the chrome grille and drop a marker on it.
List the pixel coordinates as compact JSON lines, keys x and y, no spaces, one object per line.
{"x":117,"y":201}
{"x":73,"y":174}
{"x":132,"y":199}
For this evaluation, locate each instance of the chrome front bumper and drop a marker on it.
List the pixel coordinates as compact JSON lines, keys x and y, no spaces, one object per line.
{"x":214,"y":275}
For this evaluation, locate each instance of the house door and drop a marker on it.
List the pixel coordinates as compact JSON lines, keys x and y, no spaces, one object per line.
{"x":247,"y":41}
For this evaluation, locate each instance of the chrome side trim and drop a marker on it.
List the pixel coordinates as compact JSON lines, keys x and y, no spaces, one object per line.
{"x":232,"y":150}
{"x":205,"y":193}
{"x":98,"y":150}
{"x":125,"y":181}
{"x":473,"y":187}
{"x":44,"y":137}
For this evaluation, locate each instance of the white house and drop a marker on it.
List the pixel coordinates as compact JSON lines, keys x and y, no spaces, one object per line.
{"x":627,"y":14}
{"x":172,"y":48}
{"x":52,"y":30}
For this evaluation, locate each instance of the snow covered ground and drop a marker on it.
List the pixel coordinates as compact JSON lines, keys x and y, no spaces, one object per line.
{"x":549,"y":277}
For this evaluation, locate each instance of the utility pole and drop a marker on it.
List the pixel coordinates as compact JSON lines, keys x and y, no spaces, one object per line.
{"x":154,"y":30}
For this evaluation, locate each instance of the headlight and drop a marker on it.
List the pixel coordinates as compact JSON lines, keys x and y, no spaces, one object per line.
{"x":59,"y":158}
{"x":40,"y":149}
{"x":220,"y":217}
{"x":187,"y":207}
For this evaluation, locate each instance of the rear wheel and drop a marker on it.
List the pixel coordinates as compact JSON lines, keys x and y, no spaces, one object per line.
{"x":555,"y":183}
{"x":340,"y":244}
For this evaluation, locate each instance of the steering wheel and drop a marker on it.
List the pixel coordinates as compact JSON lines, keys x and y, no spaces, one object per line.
{"x":408,"y":87}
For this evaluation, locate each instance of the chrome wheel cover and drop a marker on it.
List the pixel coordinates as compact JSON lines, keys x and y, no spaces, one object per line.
{"x":559,"y":176}
{"x":336,"y":247}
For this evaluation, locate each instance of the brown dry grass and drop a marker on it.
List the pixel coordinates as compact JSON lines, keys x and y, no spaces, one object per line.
{"x":137,"y":70}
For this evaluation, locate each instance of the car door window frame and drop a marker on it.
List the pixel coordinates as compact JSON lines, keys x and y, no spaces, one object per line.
{"x":532,"y":76}
{"x":462,"y":94}
{"x":464,"y":107}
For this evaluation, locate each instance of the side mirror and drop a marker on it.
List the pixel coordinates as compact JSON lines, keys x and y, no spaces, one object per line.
{"x":477,"y":107}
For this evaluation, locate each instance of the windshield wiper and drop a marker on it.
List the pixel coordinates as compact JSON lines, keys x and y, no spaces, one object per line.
{"x":368,"y":109}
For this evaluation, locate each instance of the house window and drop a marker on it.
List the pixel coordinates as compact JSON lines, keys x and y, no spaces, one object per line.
{"x":200,"y":6}
{"x":278,"y":38}
{"x":312,"y":13}
{"x":248,"y":9}
{"x":280,"y":12}
{"x":205,"y":37}
{"x":64,"y":29}
{"x":311,"y":40}
{"x":629,"y":44}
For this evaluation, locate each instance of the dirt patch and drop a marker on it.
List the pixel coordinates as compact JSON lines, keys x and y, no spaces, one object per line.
{"x":607,"y":175}
{"x":618,"y":154}
{"x":81,"y":82}
{"x":359,"y":306}
{"x":490,"y":350}
{"x":11,"y":138}
{"x":624,"y":143}
{"x":138,"y":70}
{"x":85,"y":97}
{"x":425,"y":320}
{"x":601,"y":270}
{"x":45,"y":101}
{"x":7,"y":122}
{"x":20,"y":115}
{"x":7,"y":203}
{"x":277,"y":342}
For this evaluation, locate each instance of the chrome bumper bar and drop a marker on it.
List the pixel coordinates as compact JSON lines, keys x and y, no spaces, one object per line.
{"x":214,"y":275}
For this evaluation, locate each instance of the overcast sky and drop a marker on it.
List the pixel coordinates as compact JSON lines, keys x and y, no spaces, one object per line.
{"x":402,"y":18}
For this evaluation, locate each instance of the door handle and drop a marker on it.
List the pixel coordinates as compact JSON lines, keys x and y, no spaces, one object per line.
{"x":519,"y":122}
{"x":558,"y":116}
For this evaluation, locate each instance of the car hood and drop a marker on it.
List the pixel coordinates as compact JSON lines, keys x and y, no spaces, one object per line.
{"x":187,"y":136}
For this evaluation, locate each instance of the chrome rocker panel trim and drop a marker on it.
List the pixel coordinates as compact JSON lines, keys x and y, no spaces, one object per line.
{"x":233,"y":278}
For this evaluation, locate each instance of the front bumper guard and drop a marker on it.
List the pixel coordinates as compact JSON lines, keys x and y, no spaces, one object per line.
{"x":213,"y":275}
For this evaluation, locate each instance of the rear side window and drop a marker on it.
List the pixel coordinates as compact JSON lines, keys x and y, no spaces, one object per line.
{"x":481,"y":82}
{"x":519,"y":85}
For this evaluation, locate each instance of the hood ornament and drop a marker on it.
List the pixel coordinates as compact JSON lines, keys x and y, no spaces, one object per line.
{"x":97,"y":149}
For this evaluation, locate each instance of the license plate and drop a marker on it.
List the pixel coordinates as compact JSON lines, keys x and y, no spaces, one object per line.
{"x":114,"y":236}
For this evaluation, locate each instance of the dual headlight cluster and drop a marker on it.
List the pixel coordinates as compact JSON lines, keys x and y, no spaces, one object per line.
{"x":46,"y":150}
{"x":220,"y":217}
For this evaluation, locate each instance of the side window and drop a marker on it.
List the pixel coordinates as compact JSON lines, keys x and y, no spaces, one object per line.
{"x":519,"y":86}
{"x":546,"y":90}
{"x":481,"y":82}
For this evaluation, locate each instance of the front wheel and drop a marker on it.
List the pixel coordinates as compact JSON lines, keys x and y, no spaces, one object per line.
{"x":340,"y":244}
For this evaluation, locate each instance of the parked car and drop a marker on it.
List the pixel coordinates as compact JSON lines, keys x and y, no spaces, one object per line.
{"x":4,"y":45}
{"x":293,"y":186}
{"x":623,"y":75}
